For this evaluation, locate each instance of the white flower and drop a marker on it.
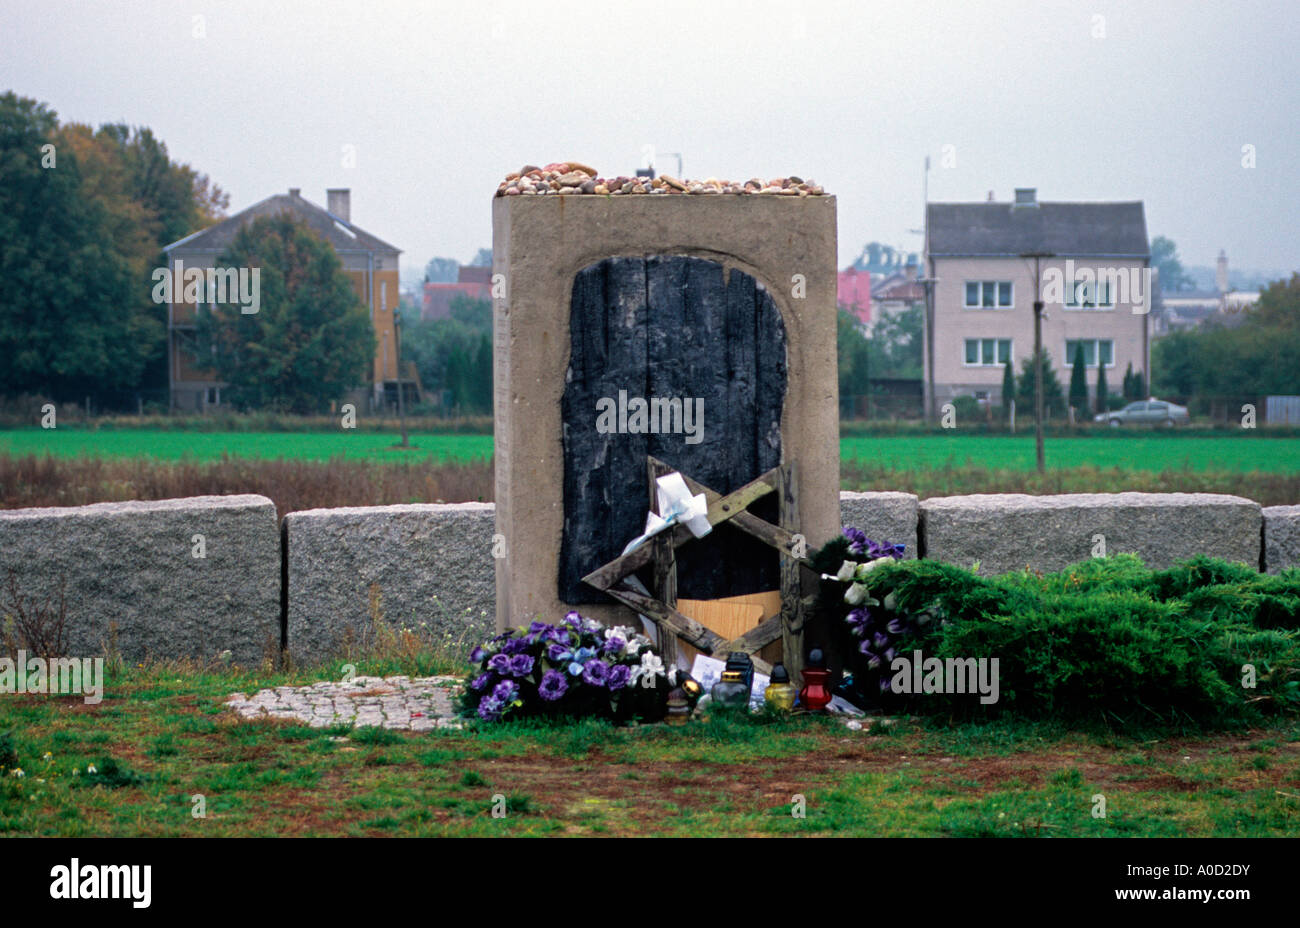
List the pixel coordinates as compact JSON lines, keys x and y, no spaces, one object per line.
{"x":864,"y":569}
{"x":91,"y":769}
{"x":846,"y":571}
{"x":651,"y":665}
{"x":18,"y":772}
{"x":855,"y":594}
{"x":47,"y":756}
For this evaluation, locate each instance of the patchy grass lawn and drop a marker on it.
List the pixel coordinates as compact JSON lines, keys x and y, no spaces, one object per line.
{"x":161,"y":737}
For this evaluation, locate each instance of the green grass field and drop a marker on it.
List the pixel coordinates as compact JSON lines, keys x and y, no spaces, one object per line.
{"x":210,"y":446}
{"x":161,"y":737}
{"x":1243,"y":453}
{"x":1130,"y":452}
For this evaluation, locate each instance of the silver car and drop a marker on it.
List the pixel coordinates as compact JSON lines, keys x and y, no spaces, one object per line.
{"x":1147,"y":412}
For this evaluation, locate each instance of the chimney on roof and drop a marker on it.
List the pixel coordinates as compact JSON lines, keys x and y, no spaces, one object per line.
{"x":1221,"y":271}
{"x":1026,"y":196}
{"x":990,"y":196}
{"x":339,"y":202}
{"x":295,"y":192}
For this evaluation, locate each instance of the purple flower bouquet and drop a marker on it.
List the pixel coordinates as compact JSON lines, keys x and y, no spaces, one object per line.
{"x":577,"y":667}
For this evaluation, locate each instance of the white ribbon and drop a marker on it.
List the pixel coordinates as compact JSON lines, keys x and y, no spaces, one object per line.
{"x":676,"y":504}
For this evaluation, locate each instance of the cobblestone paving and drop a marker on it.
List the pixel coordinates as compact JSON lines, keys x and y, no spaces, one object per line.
{"x":418,"y":704}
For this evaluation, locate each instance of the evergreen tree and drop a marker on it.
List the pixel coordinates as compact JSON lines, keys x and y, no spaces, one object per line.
{"x":1008,"y":388}
{"x":1103,"y":389}
{"x":1079,"y":383}
{"x":1053,"y":396}
{"x":483,"y":376}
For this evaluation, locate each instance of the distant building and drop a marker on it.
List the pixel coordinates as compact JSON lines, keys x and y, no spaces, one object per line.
{"x":898,"y":292}
{"x":853,"y":293}
{"x":1188,"y":309}
{"x":369,"y":263}
{"x":981,"y":312}
{"x":471,"y":281}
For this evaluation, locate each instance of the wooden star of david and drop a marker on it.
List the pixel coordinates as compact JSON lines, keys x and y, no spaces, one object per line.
{"x":660,"y":607}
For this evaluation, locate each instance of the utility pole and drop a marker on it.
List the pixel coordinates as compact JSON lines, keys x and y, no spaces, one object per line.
{"x":1038,"y":353}
{"x":927,"y":281}
{"x":927,"y":332}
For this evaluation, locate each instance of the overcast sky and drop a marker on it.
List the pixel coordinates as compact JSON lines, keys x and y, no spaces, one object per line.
{"x":441,"y":99}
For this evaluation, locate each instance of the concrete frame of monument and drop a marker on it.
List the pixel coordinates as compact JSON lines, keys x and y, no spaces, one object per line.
{"x":788,"y":244}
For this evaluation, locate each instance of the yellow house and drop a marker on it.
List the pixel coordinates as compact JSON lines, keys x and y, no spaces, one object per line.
{"x":369,"y":262}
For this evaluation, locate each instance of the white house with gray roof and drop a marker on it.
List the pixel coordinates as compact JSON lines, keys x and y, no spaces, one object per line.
{"x":1095,"y":291}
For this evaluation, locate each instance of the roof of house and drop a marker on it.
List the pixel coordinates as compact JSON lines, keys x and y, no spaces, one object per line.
{"x":343,"y":235}
{"x":904,"y":290}
{"x":471,"y":274}
{"x":1065,"y":229}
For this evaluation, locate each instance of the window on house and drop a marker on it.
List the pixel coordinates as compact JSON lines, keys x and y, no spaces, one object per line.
{"x":1093,"y":348}
{"x":383,"y":294}
{"x":987,"y":352}
{"x":1083,"y":294}
{"x":989,"y":294}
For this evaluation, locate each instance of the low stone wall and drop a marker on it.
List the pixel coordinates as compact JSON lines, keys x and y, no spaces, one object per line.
{"x":883,"y":516}
{"x":170,"y":578}
{"x":413,"y":564}
{"x":133,"y":567}
{"x":1281,"y":538}
{"x":1012,"y":531}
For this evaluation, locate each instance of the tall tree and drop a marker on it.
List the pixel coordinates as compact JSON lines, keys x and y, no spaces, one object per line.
{"x":1008,"y":388}
{"x":1079,"y":383}
{"x":853,"y":357}
{"x":895,"y":346}
{"x":1164,"y":258}
{"x":310,"y":342}
{"x":179,"y":198}
{"x":454,"y":355}
{"x":483,"y":258}
{"x":1255,"y":357}
{"x":62,"y":329}
{"x":1139,"y":386}
{"x":1103,"y":389}
{"x":1053,"y":396}
{"x":442,"y":270}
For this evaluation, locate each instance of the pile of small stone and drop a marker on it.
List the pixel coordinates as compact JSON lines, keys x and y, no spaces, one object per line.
{"x":573,"y":177}
{"x":413,"y":704}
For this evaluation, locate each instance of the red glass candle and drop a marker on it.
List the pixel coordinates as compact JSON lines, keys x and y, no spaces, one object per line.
{"x":816,"y":693}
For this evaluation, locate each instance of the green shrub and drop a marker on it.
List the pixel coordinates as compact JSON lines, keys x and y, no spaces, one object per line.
{"x":968,"y":409}
{"x":1106,"y":639}
{"x":1118,"y":655}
